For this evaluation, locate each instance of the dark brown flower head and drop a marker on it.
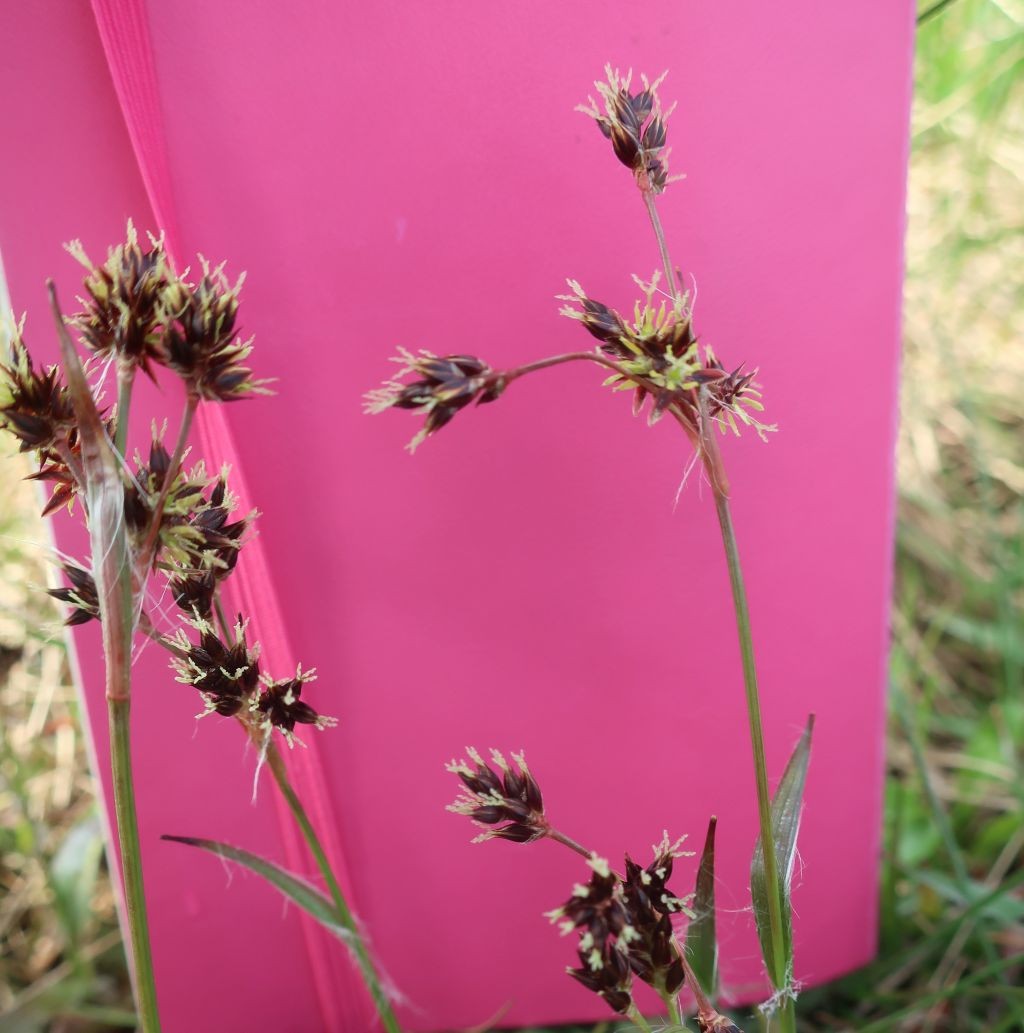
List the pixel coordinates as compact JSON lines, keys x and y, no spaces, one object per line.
{"x":596,"y":906}
{"x":80,"y":595}
{"x":122,"y":312}
{"x":194,"y":593}
{"x":660,"y":359}
{"x":650,"y":884}
{"x":506,"y":802}
{"x":604,"y":971}
{"x":597,"y":910}
{"x":439,"y":387}
{"x":226,"y":674}
{"x":282,"y":707}
{"x":201,"y":342}
{"x":635,"y":125}
{"x":35,"y":406}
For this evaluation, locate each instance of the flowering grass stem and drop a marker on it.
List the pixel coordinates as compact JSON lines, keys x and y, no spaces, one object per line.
{"x":780,"y":961}
{"x":780,"y":975}
{"x":345,"y":917}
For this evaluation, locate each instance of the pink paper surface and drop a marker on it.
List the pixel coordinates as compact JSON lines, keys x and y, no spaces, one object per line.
{"x":397,"y":174}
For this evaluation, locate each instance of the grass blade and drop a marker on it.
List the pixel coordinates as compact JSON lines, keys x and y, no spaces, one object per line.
{"x":786,"y":806}
{"x":701,"y":943}
{"x":297,"y":890}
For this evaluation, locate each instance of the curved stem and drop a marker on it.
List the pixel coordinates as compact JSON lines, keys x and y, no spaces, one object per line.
{"x":345,"y":917}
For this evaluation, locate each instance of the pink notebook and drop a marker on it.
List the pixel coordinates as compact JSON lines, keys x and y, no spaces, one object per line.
{"x":414,"y":174}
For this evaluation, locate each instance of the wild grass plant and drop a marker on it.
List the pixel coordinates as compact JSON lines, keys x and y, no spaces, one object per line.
{"x":952,"y":903}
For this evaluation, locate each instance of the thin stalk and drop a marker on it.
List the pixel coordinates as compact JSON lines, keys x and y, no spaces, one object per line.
{"x":276,"y":764}
{"x":641,"y":1022}
{"x":659,"y":233}
{"x":675,"y":1015}
{"x":131,"y":864}
{"x":787,"y":1016}
{"x":104,"y":495}
{"x":709,"y":453}
{"x":125,"y":380}
{"x":560,"y":837}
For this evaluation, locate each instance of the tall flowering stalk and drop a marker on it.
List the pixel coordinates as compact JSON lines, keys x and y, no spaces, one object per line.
{"x":653,"y":352}
{"x":152,"y":516}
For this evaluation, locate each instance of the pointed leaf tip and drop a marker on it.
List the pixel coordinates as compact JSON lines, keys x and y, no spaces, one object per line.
{"x":786,"y":807}
{"x":297,"y":890}
{"x":701,"y":938}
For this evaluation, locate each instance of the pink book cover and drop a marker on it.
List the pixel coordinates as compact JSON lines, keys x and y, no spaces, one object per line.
{"x":396,"y":174}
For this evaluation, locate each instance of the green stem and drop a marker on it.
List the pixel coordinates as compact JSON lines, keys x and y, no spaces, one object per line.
{"x":780,"y":962}
{"x":675,"y":1015}
{"x":276,"y":764}
{"x":635,"y":1015}
{"x":125,"y":380}
{"x":659,"y":233}
{"x":131,"y":864}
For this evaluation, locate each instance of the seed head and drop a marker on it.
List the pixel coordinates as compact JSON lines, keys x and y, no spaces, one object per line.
{"x":35,"y":406}
{"x":201,"y":342}
{"x":122,"y":314}
{"x":635,"y":125}
{"x":504,"y":800}
{"x":661,"y":359}
{"x":226,"y":673}
{"x":281,"y":706}
{"x":439,"y":388}
{"x":80,"y":595}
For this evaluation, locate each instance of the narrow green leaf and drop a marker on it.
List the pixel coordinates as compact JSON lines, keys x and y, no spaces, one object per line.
{"x":701,"y":941}
{"x":73,"y":873}
{"x":786,"y":805}
{"x":297,"y":890}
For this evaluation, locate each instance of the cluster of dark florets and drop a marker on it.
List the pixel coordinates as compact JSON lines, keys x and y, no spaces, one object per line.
{"x":226,"y":672}
{"x":625,"y":928}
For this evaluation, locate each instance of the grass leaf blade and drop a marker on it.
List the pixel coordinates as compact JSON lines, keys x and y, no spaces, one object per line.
{"x":701,"y":944}
{"x":786,"y":807}
{"x":297,"y":890}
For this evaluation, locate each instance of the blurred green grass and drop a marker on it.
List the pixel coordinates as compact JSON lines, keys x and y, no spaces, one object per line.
{"x":952,"y":907}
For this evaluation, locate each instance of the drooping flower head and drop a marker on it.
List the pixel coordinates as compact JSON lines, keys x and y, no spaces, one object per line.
{"x":437,"y":386}
{"x":504,"y":800}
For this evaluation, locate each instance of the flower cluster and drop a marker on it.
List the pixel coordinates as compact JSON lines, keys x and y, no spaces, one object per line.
{"x":122,"y":312}
{"x":658,"y":357}
{"x":137,"y":311}
{"x":80,"y":595}
{"x":625,"y":927}
{"x":35,"y":405}
{"x":597,"y":909}
{"x":439,"y":388}
{"x":226,"y":673}
{"x":635,"y":125}
{"x":200,"y":340}
{"x":506,"y":802}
